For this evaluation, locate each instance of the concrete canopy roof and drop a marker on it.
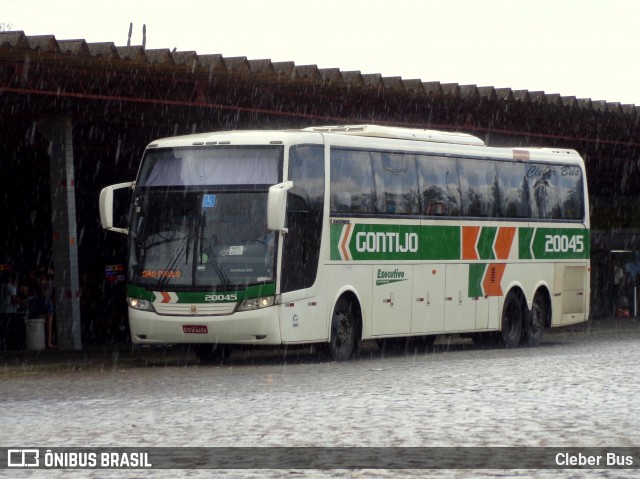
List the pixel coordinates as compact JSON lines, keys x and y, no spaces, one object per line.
{"x":15,"y":45}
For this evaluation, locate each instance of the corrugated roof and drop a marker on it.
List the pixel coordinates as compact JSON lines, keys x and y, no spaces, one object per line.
{"x":267,"y":72}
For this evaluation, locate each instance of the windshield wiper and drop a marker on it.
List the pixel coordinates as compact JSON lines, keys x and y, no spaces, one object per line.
{"x":162,"y":240}
{"x":164,"y":279}
{"x":211,"y":259}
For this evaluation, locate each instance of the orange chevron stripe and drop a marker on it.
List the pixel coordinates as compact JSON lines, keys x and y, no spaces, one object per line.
{"x":492,"y":279}
{"x":165,"y":298}
{"x":504,"y":241}
{"x":469,"y":240}
{"x":344,"y":247}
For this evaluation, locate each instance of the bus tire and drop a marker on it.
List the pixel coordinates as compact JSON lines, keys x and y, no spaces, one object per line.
{"x":535,"y":321}
{"x":211,"y":353}
{"x":343,"y":342}
{"x":511,"y":321}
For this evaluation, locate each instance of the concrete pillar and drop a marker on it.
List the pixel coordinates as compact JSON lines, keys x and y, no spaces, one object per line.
{"x":58,"y":132}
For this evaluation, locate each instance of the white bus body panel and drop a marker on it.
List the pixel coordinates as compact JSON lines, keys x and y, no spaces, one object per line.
{"x":260,"y":326}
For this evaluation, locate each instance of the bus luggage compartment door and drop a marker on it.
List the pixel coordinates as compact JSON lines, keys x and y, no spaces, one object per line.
{"x":428,"y":298}
{"x":459,"y":308}
{"x":570,"y":291}
{"x":391,"y":312}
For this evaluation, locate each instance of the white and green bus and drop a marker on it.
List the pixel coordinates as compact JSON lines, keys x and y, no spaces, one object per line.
{"x":335,"y":235}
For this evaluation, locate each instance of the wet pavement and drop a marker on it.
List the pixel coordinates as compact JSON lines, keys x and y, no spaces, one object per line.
{"x":114,"y":356}
{"x":579,"y":388}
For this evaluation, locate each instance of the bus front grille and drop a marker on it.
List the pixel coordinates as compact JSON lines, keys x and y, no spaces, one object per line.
{"x":194,"y":309}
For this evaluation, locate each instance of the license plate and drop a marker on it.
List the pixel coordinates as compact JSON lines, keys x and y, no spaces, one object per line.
{"x":194,"y":329}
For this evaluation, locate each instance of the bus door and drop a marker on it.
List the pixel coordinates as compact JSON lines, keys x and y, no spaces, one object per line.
{"x":428,"y":298}
{"x":482,"y":312}
{"x":391,"y":312}
{"x":300,"y":311}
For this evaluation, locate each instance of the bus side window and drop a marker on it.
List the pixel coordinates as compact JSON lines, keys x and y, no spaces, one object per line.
{"x":478,"y":186}
{"x":570,"y":200}
{"x":341,"y":202}
{"x":396,"y":183}
{"x":352,"y":178}
{"x":438,"y":186}
{"x":515,"y":193}
{"x":543,"y":182}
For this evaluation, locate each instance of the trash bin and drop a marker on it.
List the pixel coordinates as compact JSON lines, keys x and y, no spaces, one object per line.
{"x":35,"y":334}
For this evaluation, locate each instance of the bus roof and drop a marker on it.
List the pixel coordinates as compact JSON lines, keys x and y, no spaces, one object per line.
{"x":460,"y":143}
{"x":376,"y":131}
{"x":400,"y":133}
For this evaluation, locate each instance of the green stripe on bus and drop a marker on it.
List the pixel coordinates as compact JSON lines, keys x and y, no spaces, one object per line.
{"x":554,"y":243}
{"x":256,"y":291}
{"x":395,"y":242}
{"x":485,"y":242}
{"x":335,"y":232}
{"x":377,"y":242}
{"x":476,"y":274}
{"x":525,"y":236}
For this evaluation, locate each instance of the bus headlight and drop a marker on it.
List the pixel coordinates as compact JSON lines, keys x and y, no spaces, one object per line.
{"x":141,"y":304}
{"x":256,"y":303}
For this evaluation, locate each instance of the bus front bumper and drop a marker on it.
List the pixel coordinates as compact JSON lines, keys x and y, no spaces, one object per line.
{"x":249,"y":327}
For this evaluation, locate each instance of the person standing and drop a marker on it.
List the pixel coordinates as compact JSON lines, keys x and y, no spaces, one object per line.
{"x":618,"y":285}
{"x":8,"y":308}
{"x":41,"y":304}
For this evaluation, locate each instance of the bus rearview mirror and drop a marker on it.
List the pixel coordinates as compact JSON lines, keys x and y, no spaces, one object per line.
{"x":106,"y":207}
{"x":277,"y":205}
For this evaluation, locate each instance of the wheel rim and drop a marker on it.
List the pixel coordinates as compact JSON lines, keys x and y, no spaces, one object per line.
{"x":343,"y":334}
{"x":343,"y":329}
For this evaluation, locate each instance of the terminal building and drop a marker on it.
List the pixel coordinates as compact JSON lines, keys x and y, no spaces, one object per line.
{"x":76,"y":116}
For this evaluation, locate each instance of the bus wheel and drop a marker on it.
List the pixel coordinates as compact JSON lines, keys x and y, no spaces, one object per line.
{"x":535,"y":321}
{"x":343,"y":342}
{"x":511,"y":321}
{"x":211,"y":353}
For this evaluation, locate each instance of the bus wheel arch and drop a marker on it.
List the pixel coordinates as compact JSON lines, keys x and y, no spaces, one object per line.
{"x":538,"y":318}
{"x":346,"y":327}
{"x":514,"y":311}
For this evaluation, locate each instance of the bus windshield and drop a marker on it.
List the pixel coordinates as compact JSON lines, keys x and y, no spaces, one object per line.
{"x":189,"y":234}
